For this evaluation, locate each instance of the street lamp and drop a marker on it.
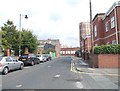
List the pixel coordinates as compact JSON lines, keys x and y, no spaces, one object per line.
{"x":26,"y":17}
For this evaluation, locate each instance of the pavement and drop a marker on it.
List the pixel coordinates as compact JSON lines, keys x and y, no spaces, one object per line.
{"x":110,"y":75}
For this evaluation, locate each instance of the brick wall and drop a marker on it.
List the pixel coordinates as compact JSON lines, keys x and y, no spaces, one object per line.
{"x":106,"y":61}
{"x":6,"y":52}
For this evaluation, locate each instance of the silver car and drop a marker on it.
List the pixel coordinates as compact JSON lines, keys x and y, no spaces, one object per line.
{"x":41,"y":57}
{"x":9,"y":63}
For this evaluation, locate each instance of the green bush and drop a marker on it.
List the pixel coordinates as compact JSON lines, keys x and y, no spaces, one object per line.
{"x":107,"y":49}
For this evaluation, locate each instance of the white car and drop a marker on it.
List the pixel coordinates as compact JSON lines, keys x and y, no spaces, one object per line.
{"x":9,"y":63}
{"x":41,"y":57}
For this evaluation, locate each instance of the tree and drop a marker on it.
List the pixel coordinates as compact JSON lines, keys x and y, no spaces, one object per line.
{"x":0,"y":42}
{"x":10,"y":38}
{"x":28,"y":40}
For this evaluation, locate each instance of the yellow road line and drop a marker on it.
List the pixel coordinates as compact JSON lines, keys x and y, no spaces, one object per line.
{"x":100,"y":74}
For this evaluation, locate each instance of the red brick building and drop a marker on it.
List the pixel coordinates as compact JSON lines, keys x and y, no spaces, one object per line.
{"x":98,"y":32}
{"x":106,"y":27}
{"x":68,"y":51}
{"x":84,"y":36}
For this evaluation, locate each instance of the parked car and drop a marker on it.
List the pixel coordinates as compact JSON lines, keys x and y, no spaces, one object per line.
{"x":29,"y":59}
{"x":41,"y":57}
{"x":9,"y":63}
{"x":44,"y":57}
{"x":47,"y":57}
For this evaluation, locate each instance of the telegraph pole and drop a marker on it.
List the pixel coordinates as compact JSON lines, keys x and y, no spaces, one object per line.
{"x":92,"y":44}
{"x":91,"y":24}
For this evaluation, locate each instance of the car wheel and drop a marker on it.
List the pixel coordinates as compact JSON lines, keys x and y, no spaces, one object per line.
{"x":32,"y":63}
{"x":21,"y":67}
{"x":5,"y":71}
{"x":38,"y":62}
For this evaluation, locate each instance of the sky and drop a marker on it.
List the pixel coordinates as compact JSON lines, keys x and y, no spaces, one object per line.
{"x":52,"y":19}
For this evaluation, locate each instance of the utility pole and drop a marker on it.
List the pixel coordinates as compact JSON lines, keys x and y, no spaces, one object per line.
{"x":92,"y":44}
{"x":91,"y":24}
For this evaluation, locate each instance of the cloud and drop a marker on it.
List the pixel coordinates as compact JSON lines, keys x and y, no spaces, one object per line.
{"x":72,"y":3}
{"x":55,"y":17}
{"x":52,"y":18}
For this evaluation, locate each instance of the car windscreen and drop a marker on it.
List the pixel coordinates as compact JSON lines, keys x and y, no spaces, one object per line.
{"x":31,"y":55}
{"x":24,"y":56}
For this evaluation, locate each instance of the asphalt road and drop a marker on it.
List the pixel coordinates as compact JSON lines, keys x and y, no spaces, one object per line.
{"x":94,"y":78}
{"x":55,"y":74}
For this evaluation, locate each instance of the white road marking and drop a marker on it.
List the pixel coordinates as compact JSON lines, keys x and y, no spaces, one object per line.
{"x":18,"y":86}
{"x":79,"y":85}
{"x":57,"y":76}
{"x":49,"y":66}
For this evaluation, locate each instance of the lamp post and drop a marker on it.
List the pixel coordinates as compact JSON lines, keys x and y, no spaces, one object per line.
{"x":26,"y":17}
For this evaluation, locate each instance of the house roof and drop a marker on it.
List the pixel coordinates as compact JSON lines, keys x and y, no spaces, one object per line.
{"x":116,"y":4}
{"x":98,"y":14}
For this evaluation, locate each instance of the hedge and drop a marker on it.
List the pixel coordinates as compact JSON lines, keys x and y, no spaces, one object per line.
{"x":107,"y":49}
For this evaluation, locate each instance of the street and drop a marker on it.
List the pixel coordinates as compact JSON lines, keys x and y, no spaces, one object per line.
{"x":60,"y":44}
{"x":54,"y":74}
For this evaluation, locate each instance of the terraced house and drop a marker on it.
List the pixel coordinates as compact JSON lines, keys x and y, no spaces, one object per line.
{"x":106,"y":26}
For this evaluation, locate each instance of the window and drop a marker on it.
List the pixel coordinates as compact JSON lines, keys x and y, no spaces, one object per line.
{"x":95,"y":31}
{"x":15,"y":60}
{"x":68,"y":52}
{"x":106,"y":26}
{"x":107,"y":43}
{"x":73,"y":52}
{"x":8,"y":59}
{"x":96,"y":44}
{"x":61,"y":52}
{"x":112,"y":22}
{"x":114,"y":42}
